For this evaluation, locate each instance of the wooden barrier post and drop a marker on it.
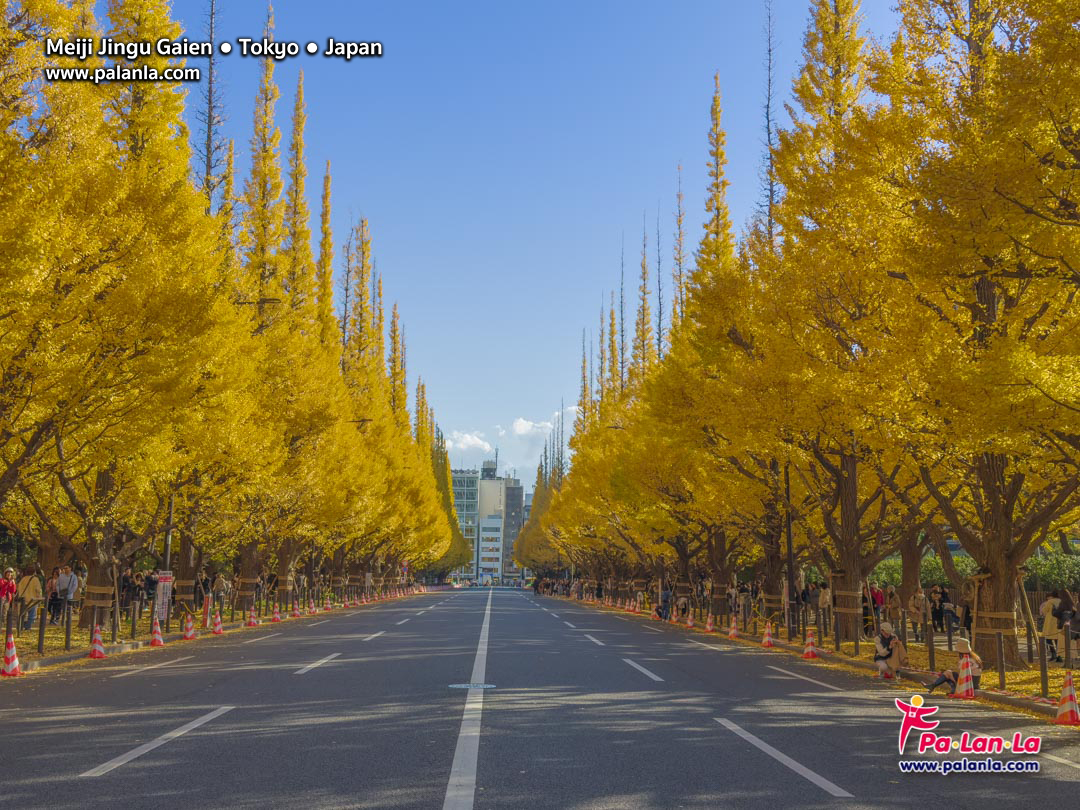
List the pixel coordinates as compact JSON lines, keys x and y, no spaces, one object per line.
{"x":931,"y":651}
{"x":67,"y":623}
{"x":1068,"y":647}
{"x":1001,"y":660}
{"x":136,"y":611}
{"x":1043,"y":680}
{"x":41,"y":631}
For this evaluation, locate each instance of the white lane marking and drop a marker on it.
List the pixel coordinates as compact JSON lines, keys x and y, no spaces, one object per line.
{"x":461,"y":789}
{"x":594,"y":640}
{"x":260,"y":638}
{"x":556,"y":615}
{"x":150,"y":746}
{"x":545,"y":610}
{"x":621,"y":618}
{"x":1062,"y":760}
{"x":316,"y":624}
{"x":153,"y":666}
{"x":652,"y":628}
{"x":401,"y":622}
{"x":708,"y":646}
{"x":797,"y":675}
{"x":421,"y":613}
{"x":320,"y":662}
{"x":374,"y":635}
{"x":640,"y":668}
{"x":572,"y":627}
{"x":785,"y":760}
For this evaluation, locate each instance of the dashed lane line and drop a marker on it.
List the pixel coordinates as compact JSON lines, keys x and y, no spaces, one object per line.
{"x":803,"y":677}
{"x":154,"y":666}
{"x":594,"y":640}
{"x":642,"y":669}
{"x":145,"y":748}
{"x":572,"y":627}
{"x":784,"y":759}
{"x":374,"y":635}
{"x":271,"y":635}
{"x":318,"y":663}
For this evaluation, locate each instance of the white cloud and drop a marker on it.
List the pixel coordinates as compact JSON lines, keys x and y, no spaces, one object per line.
{"x":468,"y":441}
{"x":500,"y":430}
{"x":525,"y":427}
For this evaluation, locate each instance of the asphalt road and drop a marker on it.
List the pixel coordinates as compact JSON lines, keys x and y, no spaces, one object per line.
{"x":587,"y":709}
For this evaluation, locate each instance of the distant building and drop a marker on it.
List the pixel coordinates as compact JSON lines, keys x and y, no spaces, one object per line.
{"x":491,"y":512}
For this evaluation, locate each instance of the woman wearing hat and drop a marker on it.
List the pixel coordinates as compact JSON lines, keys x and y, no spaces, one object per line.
{"x":889,"y":653}
{"x":949,"y":676}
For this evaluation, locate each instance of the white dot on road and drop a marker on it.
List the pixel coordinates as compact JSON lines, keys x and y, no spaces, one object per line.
{"x":226,"y":47}
{"x":312,"y":47}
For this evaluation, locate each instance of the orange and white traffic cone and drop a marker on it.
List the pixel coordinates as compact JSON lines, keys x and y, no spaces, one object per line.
{"x":766,"y":640}
{"x":189,"y":629}
{"x":965,"y":687}
{"x":809,"y":650}
{"x":251,"y":620}
{"x":710,"y":624}
{"x":97,"y":649}
{"x":733,"y":632}
{"x":1068,"y":714}
{"x":690,"y":619}
{"x":155,"y":634}
{"x":277,"y":614}
{"x":11,"y":659}
{"x":311,"y":607}
{"x":326,"y":604}
{"x":218,"y":629}
{"x":295,"y":614}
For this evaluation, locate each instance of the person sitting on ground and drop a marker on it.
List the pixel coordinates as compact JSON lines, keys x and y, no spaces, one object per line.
{"x":951,"y":676}
{"x":889,"y":653}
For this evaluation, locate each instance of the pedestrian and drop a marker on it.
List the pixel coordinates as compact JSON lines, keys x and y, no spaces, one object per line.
{"x":948,"y":610}
{"x":665,"y":603}
{"x":53,"y":596}
{"x":8,"y":587}
{"x":67,"y":584}
{"x":951,"y":676}
{"x":937,"y":613}
{"x":825,"y":603}
{"x":918,"y":612}
{"x":889,"y":653}
{"x":893,"y":611}
{"x":30,"y":595}
{"x":1051,"y":630}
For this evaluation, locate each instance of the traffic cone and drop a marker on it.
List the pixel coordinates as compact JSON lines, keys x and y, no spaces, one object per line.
{"x":295,"y":610}
{"x":311,"y":607}
{"x":155,"y":634}
{"x":326,"y":604}
{"x":690,"y":620}
{"x":766,"y":640}
{"x":11,"y":660}
{"x":965,"y":687}
{"x":809,"y":650}
{"x":218,"y":629}
{"x":734,"y":631}
{"x":363,"y":599}
{"x":97,"y":649}
{"x":251,"y":620}
{"x":1067,"y":715}
{"x":709,"y":624}
{"x":277,"y":614}
{"x":189,"y":629}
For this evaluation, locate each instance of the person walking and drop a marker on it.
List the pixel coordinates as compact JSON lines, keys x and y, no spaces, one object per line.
{"x":8,"y":586}
{"x":937,"y":613}
{"x":1052,"y":633}
{"x":918,"y":612}
{"x":893,"y":608}
{"x":30,"y":594}
{"x":52,"y":596}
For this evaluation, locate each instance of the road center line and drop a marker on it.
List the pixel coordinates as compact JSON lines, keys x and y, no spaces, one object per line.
{"x":640,"y":668}
{"x":594,"y":640}
{"x":150,"y":746}
{"x":260,"y":638}
{"x":153,"y":666}
{"x":320,"y":662}
{"x":797,"y":675}
{"x":401,"y":622}
{"x":572,"y":627}
{"x":785,"y":760}
{"x":461,"y":789}
{"x":374,"y":635}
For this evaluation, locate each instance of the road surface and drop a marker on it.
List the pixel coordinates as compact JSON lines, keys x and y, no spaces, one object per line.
{"x":588,"y":709}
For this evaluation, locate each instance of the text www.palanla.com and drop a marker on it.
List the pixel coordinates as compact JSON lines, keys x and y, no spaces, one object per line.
{"x":142,"y":73}
{"x":966,"y":765}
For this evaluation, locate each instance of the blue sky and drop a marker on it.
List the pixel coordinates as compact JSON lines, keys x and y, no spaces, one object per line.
{"x":503,"y":152}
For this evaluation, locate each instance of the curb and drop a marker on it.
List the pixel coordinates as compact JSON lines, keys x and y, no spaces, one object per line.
{"x":1025,"y":704}
{"x":34,"y":664}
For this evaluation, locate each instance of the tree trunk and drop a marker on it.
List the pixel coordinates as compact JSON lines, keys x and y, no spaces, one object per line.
{"x":910,"y":563}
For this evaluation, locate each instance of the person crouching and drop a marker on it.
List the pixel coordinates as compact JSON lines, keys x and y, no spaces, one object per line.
{"x":889,"y":652}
